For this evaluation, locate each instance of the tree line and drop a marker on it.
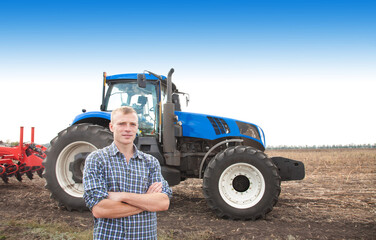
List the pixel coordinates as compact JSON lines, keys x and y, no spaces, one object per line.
{"x":334,"y":146}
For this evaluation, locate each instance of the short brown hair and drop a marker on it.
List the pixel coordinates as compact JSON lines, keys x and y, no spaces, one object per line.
{"x":123,"y":110}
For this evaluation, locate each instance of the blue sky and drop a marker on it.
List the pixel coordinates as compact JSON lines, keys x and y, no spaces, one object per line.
{"x":302,"y":70}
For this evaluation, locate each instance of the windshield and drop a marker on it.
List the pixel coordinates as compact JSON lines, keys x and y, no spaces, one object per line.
{"x":143,"y":100}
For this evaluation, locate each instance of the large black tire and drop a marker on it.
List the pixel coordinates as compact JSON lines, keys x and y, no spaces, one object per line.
{"x":241,"y":183}
{"x":65,"y":161}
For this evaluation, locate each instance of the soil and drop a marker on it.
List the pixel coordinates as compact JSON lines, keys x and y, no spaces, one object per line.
{"x":336,"y":200}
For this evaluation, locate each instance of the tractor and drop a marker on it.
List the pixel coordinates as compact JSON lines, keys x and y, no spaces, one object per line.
{"x":239,"y":180}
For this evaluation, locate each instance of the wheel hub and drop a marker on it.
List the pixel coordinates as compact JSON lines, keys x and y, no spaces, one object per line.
{"x":76,"y":167}
{"x":69,"y":167}
{"x":241,"y":185}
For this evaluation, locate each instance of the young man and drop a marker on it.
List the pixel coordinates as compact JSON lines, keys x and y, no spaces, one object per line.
{"x":124,"y":187}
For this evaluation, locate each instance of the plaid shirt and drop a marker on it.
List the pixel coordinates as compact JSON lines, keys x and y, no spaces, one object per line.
{"x":106,"y":170}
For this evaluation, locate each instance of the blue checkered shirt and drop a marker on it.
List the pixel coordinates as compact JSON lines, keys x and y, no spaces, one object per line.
{"x":106,"y":170}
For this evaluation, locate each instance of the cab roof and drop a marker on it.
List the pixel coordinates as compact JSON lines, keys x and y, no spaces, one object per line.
{"x":131,"y":76}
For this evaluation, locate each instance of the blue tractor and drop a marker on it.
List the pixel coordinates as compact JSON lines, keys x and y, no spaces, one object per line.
{"x":239,"y":180}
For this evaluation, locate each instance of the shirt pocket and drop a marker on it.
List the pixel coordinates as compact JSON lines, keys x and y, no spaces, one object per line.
{"x":116,"y":179}
{"x":140,"y":182}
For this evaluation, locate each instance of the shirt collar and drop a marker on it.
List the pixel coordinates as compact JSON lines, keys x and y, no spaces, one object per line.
{"x":114,"y":150}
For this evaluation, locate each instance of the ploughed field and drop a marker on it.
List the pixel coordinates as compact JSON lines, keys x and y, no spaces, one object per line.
{"x":336,"y":200}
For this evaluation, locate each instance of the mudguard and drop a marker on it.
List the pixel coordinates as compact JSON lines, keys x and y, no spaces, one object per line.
{"x":93,"y":114}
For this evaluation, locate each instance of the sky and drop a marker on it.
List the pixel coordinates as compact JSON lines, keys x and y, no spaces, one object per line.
{"x":303,"y":70}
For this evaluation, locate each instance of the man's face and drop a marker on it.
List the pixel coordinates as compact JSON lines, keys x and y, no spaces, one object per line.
{"x":124,"y":127}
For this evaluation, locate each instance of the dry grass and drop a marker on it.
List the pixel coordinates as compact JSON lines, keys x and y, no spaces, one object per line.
{"x":343,"y":179}
{"x":336,"y":200}
{"x":27,"y":229}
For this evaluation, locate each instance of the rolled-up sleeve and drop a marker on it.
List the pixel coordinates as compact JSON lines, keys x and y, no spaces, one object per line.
{"x":156,"y":176}
{"x":95,"y":188}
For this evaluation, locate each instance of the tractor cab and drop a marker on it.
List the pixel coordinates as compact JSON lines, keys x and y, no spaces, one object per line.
{"x":143,"y":100}
{"x":123,"y":90}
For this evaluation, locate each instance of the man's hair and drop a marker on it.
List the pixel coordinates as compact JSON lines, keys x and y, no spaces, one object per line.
{"x":123,"y":110}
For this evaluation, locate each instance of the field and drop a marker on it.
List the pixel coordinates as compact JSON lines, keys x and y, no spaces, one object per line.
{"x":336,"y":200}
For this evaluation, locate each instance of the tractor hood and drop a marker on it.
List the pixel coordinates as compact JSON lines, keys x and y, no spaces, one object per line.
{"x":197,"y":126}
{"x":212,"y":127}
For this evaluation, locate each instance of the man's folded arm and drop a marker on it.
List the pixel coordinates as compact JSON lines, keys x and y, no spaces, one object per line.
{"x":153,"y":200}
{"x":108,"y":208}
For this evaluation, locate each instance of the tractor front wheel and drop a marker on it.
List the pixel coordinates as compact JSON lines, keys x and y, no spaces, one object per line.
{"x":241,"y":183}
{"x":65,"y":162}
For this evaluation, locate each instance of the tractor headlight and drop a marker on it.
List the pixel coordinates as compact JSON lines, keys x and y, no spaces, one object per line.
{"x":248,"y":130}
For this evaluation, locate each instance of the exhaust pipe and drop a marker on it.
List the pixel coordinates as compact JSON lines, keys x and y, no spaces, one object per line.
{"x":171,"y":155}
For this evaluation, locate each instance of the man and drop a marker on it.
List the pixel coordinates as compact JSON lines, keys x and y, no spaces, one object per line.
{"x":124,"y":187}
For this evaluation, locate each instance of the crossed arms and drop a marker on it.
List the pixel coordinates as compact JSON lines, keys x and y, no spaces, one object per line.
{"x":124,"y":204}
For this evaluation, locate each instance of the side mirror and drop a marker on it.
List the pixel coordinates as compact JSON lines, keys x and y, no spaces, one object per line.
{"x":175,"y":100}
{"x":141,"y":80}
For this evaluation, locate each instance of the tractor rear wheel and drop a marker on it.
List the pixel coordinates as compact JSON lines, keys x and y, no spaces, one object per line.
{"x":241,"y":183}
{"x":65,"y":162}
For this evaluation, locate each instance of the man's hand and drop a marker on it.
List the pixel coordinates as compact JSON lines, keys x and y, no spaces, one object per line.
{"x":155,"y":188}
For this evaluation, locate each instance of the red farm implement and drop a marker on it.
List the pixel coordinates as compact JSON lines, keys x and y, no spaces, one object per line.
{"x":26,"y":158}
